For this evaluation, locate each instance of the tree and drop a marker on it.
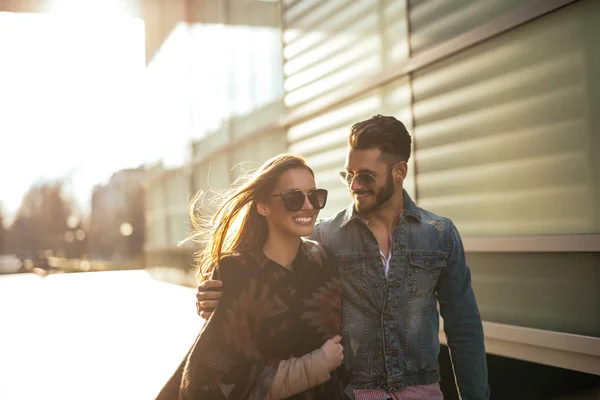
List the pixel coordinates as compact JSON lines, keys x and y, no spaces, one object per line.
{"x":41,"y":221}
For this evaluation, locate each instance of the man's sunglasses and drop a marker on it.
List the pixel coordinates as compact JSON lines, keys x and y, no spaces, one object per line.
{"x":363,"y":179}
{"x":293,"y":199}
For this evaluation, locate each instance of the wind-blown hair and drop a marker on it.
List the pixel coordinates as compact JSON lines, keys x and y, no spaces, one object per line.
{"x":237,"y":226}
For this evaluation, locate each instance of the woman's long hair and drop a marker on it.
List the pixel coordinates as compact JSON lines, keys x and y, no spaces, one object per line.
{"x":237,"y":226}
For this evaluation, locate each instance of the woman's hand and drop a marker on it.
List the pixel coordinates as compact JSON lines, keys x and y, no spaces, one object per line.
{"x":334,"y":352}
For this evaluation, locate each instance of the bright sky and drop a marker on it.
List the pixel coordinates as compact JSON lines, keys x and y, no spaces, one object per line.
{"x":77,"y":99}
{"x":70,"y":99}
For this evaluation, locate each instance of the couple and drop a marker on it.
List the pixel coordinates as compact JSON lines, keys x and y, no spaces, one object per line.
{"x":373,"y":274}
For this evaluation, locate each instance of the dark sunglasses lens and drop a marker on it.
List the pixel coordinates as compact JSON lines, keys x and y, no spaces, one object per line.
{"x":365,"y":180}
{"x":318,"y":198}
{"x":293,"y":200}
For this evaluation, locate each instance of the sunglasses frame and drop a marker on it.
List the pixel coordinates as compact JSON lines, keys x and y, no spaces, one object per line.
{"x":370,"y":178}
{"x":312,"y":192}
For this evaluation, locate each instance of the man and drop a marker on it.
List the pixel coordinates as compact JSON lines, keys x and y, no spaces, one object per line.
{"x":397,"y":262}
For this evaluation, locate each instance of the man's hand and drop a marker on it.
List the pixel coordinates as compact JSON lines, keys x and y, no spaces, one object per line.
{"x":209,"y":293}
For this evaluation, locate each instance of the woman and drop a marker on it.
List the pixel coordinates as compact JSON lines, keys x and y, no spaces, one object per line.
{"x":274,"y":333}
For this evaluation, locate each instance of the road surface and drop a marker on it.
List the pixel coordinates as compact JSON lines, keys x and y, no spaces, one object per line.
{"x":98,"y":335}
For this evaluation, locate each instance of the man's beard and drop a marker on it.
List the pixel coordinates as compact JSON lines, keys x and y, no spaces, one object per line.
{"x":380,"y":198}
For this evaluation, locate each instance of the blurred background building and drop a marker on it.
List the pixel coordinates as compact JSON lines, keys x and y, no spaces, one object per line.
{"x":501,"y":98}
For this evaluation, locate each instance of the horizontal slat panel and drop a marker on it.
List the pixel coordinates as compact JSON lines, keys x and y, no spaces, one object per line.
{"x":361,"y":49}
{"x":357,"y":17}
{"x":560,"y":209}
{"x":337,"y":79}
{"x":540,"y":82}
{"x":502,"y":133}
{"x":329,"y":159}
{"x":318,"y":14}
{"x":432,"y":22}
{"x":483,"y":178}
{"x":329,"y":47}
{"x":395,"y":31}
{"x":331,"y":139}
{"x":300,"y":8}
{"x":346,"y":114}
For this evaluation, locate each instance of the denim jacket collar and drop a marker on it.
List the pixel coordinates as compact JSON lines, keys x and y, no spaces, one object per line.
{"x":410,"y":209}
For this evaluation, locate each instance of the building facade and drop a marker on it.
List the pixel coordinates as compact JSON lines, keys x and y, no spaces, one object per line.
{"x":502,"y":100}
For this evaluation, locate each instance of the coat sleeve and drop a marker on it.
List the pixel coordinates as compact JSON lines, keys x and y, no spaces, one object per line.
{"x":296,"y":375}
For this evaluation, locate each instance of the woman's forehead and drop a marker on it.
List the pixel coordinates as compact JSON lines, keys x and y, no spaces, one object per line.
{"x":297,"y":178}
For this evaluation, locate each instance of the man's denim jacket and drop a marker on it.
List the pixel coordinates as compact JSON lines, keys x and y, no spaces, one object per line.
{"x":391,"y":324}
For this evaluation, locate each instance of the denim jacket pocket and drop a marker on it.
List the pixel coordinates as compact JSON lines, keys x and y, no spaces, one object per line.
{"x":425,"y":270}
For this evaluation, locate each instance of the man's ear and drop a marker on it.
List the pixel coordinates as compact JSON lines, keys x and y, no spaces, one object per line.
{"x":263,"y":209}
{"x":401,"y":170}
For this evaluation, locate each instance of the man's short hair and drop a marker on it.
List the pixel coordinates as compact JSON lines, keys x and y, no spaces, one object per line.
{"x":384,"y":133}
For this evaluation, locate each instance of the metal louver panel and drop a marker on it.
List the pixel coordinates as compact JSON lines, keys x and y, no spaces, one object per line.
{"x":432,"y":22}
{"x":503,"y":133}
{"x":335,"y":42}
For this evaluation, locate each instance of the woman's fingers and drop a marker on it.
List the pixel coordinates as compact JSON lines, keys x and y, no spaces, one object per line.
{"x":208,"y":295}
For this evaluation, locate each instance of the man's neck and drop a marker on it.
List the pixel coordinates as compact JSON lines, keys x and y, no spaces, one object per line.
{"x":388,"y":215}
{"x":281,"y":248}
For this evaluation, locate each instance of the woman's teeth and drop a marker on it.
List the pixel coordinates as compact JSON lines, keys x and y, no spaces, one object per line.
{"x":303,"y":220}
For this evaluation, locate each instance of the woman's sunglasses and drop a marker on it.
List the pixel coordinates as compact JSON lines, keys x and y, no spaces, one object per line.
{"x":293,"y":199}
